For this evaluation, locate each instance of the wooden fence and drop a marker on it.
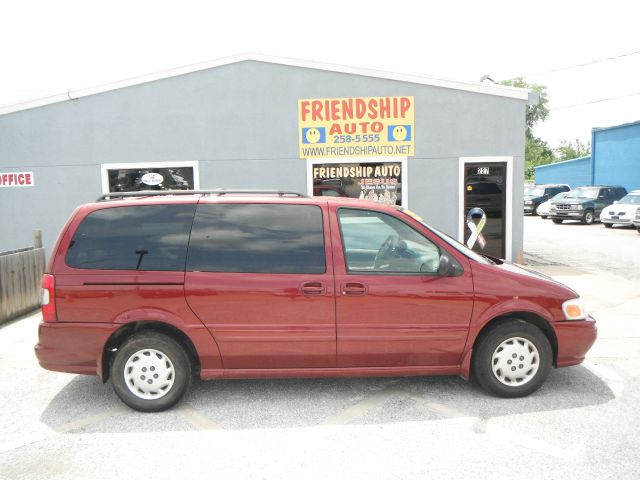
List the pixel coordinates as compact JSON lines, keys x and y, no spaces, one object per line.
{"x":20,"y":276}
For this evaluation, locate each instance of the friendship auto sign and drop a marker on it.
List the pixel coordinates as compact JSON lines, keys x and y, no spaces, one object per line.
{"x":356,"y":127}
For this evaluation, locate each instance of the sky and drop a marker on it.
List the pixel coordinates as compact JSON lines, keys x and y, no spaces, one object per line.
{"x":49,"y":47}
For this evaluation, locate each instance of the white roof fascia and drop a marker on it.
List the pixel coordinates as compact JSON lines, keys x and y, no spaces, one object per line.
{"x":488,"y":89}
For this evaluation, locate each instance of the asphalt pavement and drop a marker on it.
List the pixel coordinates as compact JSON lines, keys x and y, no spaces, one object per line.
{"x":584,"y":422}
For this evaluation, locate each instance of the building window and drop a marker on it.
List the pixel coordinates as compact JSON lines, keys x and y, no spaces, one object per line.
{"x":380,"y":181}
{"x":134,"y":177}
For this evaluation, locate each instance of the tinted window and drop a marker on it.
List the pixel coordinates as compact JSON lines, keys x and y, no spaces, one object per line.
{"x":152,"y":237}
{"x":257,"y":238}
{"x":377,"y":242}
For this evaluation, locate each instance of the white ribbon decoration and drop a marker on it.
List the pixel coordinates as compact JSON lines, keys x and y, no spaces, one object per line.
{"x":476,"y":230}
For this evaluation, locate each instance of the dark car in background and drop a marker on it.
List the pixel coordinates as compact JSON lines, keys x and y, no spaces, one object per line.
{"x":585,"y":203}
{"x":536,"y":195}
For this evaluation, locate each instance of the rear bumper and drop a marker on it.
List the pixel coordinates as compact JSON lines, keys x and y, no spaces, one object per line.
{"x":73,"y":347}
{"x":575,"y":338}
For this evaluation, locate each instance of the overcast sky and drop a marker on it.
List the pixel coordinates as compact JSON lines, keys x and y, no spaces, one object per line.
{"x":48,"y":47}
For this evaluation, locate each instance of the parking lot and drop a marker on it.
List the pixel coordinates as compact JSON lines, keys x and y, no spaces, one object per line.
{"x":583,"y":423}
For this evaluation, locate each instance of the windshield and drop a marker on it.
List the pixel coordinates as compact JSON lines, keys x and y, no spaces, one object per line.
{"x":533,"y":192}
{"x":583,"y":192}
{"x":560,"y":196}
{"x":467,"y":252}
{"x":630,"y":199}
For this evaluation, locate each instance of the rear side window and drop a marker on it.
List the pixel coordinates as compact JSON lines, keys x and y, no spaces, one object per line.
{"x":257,"y":238}
{"x":150,"y":237}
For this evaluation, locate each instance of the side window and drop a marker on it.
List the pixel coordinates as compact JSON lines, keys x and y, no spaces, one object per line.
{"x":376,"y":242}
{"x":150,"y":237}
{"x":257,"y":238}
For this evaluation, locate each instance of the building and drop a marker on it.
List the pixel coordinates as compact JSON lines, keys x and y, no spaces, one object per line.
{"x":614,"y":160}
{"x":438,"y":147}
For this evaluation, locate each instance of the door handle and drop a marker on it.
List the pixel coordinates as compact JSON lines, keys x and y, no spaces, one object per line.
{"x":354,"y":288}
{"x":313,"y":288}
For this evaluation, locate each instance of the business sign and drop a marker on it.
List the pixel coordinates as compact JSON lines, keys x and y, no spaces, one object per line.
{"x":377,"y":182}
{"x":16,"y":179}
{"x":356,"y":127}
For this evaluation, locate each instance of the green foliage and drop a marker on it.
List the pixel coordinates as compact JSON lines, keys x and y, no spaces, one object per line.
{"x":535,"y":113}
{"x":536,"y":152}
{"x":569,"y":150}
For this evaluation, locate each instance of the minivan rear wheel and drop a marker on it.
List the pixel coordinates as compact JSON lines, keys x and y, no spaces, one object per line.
{"x":512,"y":359}
{"x":150,"y":372}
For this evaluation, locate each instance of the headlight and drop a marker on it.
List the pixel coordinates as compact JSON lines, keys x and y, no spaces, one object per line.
{"x":574,"y":309}
{"x":576,"y":207}
{"x":528,"y":202}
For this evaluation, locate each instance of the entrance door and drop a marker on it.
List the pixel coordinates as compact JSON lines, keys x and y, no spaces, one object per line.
{"x":484,"y":216}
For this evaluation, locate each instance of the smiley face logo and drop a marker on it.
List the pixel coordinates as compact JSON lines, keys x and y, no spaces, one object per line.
{"x":399,"y":133}
{"x":312,"y":135}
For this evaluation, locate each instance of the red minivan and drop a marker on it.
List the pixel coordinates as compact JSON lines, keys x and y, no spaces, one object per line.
{"x":152,"y":288}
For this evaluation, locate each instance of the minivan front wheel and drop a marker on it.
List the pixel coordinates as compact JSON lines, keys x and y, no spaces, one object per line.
{"x":512,"y":359}
{"x":150,"y":372}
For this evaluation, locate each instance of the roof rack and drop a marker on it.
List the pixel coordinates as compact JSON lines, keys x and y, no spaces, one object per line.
{"x":222,"y":191}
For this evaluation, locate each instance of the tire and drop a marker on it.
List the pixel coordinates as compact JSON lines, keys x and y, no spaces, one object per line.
{"x":588,"y":218}
{"x":142,"y":355}
{"x":557,"y":221}
{"x":544,"y":217}
{"x":494,"y":367}
{"x":607,"y":225}
{"x":535,"y":210}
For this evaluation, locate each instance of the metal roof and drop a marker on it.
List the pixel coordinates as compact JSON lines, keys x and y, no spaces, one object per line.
{"x":476,"y":87}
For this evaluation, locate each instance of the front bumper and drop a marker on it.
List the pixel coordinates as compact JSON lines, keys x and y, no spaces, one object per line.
{"x":621,"y":219}
{"x":73,"y":347}
{"x":575,"y":338}
{"x":567,"y":214}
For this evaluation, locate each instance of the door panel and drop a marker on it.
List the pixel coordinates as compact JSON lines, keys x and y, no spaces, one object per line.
{"x":257,"y":277}
{"x":266,"y":320}
{"x":394,"y":319}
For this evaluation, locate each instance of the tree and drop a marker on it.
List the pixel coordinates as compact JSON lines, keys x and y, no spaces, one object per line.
{"x":569,"y":150}
{"x":536,"y":151}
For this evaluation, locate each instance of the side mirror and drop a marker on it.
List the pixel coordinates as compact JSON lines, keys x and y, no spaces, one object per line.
{"x":616,"y":201}
{"x":448,"y":267}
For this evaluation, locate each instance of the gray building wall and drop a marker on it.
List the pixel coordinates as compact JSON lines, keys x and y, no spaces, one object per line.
{"x":239,"y":122}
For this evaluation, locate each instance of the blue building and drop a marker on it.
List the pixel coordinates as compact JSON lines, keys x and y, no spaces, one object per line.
{"x":614,"y":160}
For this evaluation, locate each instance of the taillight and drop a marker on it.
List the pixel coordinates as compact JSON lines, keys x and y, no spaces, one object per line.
{"x":48,"y":298}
